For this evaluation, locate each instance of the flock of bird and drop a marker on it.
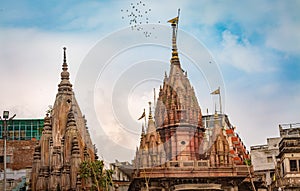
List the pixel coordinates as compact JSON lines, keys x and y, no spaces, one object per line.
{"x":137,"y":15}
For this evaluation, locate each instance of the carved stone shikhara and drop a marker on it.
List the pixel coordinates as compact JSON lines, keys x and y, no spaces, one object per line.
{"x":64,"y":144}
{"x":183,"y":150}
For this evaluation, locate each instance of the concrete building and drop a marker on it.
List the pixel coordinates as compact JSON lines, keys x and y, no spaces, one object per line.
{"x":288,"y":159}
{"x":122,"y":175}
{"x":23,"y":135}
{"x":277,"y":164}
{"x":263,"y":158}
{"x":24,"y":129}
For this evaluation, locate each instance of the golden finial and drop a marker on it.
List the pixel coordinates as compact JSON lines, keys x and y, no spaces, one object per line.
{"x":174,"y":24}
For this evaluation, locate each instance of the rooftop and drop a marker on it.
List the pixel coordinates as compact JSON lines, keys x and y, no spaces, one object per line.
{"x":289,"y":125}
{"x":288,"y":130}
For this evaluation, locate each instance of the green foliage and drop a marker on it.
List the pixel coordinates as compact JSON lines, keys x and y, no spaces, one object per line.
{"x":247,"y":162}
{"x":100,"y":177}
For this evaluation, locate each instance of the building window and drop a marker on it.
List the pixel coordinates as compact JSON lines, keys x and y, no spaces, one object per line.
{"x":272,"y":176}
{"x":8,"y":159}
{"x":293,"y":165}
{"x":282,"y":167}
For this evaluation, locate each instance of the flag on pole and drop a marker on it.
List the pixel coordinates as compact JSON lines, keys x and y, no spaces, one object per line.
{"x":143,"y":115}
{"x":217,"y":91}
{"x":173,"y":21}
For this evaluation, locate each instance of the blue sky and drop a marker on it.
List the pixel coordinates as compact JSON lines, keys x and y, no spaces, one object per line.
{"x":255,"y":45}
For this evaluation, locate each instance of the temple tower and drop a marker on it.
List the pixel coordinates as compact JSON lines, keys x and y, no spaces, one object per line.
{"x":177,"y":114}
{"x":151,"y":150}
{"x":195,"y":156}
{"x":64,"y":144}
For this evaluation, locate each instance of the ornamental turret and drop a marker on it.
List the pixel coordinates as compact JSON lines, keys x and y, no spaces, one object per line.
{"x":151,"y":150}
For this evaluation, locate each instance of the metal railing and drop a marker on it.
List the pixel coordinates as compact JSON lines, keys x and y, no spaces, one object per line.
{"x":289,"y":125}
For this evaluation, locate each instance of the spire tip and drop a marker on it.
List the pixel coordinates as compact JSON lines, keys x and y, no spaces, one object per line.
{"x":150,"y":112}
{"x":65,"y":58}
{"x":174,"y":24}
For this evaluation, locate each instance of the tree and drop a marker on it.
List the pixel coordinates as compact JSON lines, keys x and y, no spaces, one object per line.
{"x":94,"y":170}
{"x":248,"y":164}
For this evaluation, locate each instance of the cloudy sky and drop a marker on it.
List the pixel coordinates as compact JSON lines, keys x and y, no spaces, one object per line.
{"x":251,"y":49}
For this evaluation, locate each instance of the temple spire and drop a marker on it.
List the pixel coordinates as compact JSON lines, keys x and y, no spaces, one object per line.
{"x":174,"y":24}
{"x":65,"y":59}
{"x":65,"y":74}
{"x":151,"y":124}
{"x":65,"y":85}
{"x":143,"y":129}
{"x":150,"y":112}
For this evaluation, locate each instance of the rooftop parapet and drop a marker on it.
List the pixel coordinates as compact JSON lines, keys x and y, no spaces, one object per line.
{"x":287,"y":130}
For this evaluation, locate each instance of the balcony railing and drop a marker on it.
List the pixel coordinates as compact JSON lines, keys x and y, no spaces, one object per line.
{"x":201,"y":163}
{"x":200,"y":168}
{"x":289,"y":144}
{"x":196,"y":164}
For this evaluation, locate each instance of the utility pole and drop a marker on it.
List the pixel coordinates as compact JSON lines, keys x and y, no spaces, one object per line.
{"x":4,"y":135}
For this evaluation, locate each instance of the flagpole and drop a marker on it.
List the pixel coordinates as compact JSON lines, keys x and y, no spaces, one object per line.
{"x":177,"y":23}
{"x":145,"y":121}
{"x":216,"y":108}
{"x":218,"y":91}
{"x":220,"y":101}
{"x":154,"y":103}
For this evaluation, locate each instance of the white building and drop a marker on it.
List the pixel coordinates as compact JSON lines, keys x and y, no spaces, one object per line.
{"x":263,"y":159}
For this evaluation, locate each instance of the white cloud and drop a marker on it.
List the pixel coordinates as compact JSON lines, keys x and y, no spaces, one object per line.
{"x":242,"y":55}
{"x":285,"y":37}
{"x":257,"y":111}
